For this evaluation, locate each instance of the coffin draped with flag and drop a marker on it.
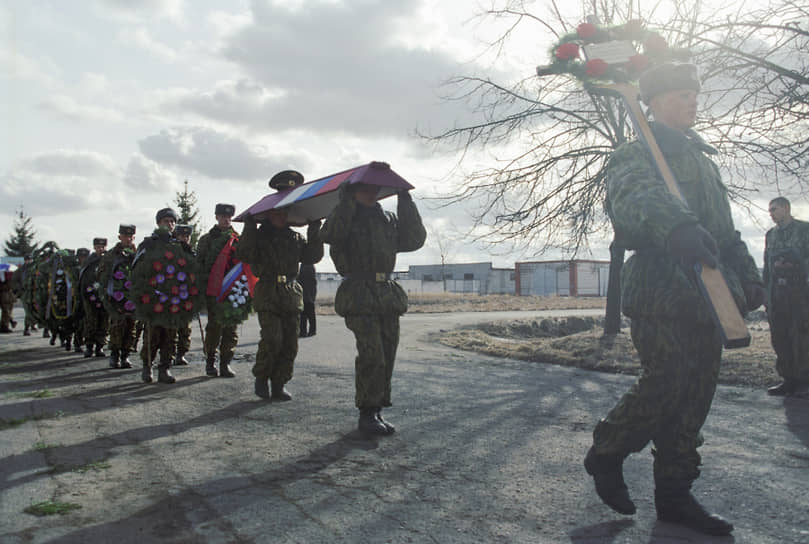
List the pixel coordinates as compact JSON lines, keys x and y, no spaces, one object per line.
{"x":315,"y":199}
{"x":230,"y":284}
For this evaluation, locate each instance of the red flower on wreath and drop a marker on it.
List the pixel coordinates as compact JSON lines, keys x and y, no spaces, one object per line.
{"x":157,"y":265}
{"x":586,"y":31}
{"x":175,"y":290}
{"x":567,"y":51}
{"x":169,"y":255}
{"x":174,"y":308}
{"x":655,"y":44}
{"x":145,"y":299}
{"x":193,"y":278}
{"x":193,"y":291}
{"x":188,"y":305}
{"x":596,"y":67}
{"x":153,"y":282}
{"x":158,"y":308}
{"x":638,"y":63}
{"x":181,"y":261}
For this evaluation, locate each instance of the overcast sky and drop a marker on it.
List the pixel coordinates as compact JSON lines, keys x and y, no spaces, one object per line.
{"x":109,"y":105}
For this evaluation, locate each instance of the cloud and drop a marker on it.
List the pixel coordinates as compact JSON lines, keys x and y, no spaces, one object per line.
{"x":142,"y":38}
{"x":144,"y":10}
{"x":147,"y":176}
{"x":68,"y":108}
{"x":216,"y":155}
{"x":70,"y":163}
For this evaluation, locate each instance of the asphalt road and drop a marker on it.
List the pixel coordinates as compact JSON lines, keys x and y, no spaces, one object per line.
{"x":486,"y":450}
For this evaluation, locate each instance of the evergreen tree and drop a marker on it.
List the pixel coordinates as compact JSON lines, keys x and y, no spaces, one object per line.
{"x":21,"y":242}
{"x":186,"y":202}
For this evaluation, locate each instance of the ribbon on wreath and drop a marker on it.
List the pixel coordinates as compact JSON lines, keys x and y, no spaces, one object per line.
{"x":222,"y":279}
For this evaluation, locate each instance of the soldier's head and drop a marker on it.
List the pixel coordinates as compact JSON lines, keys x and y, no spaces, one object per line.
{"x":183,"y":233}
{"x":366,"y":195}
{"x":780,"y":211}
{"x":224,"y":213}
{"x":126,"y":233}
{"x":81,"y":254}
{"x":670,"y":90}
{"x":99,"y":245}
{"x":278,"y":217}
{"x":166,"y":218}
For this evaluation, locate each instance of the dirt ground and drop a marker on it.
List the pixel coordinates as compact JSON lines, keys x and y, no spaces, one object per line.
{"x":577,"y":342}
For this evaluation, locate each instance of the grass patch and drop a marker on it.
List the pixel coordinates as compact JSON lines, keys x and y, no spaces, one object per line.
{"x":95,"y":466}
{"x":50,"y":508}
{"x":40,"y":394}
{"x":39,"y":446}
{"x":11,"y":423}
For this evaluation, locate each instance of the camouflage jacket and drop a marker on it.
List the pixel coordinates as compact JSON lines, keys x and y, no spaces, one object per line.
{"x":790,"y":242}
{"x":643,"y":213}
{"x":363,"y":242}
{"x":274,"y":255}
{"x":209,"y":246}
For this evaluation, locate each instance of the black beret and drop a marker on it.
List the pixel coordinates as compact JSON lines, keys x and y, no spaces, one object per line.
{"x":126,"y":229}
{"x":286,"y":180}
{"x":225,"y":209}
{"x":667,"y":77}
{"x":166,"y":212}
{"x":183,"y":230}
{"x":99,"y":241}
{"x":82,"y":252}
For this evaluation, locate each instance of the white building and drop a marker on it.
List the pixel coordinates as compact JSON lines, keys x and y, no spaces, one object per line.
{"x":574,"y":278}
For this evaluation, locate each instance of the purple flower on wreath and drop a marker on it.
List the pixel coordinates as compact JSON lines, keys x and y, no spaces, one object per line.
{"x":170,"y":269}
{"x":98,"y":305}
{"x":160,"y":278}
{"x":127,"y":285}
{"x":92,"y":297}
{"x":119,"y":275}
{"x":181,"y":276}
{"x":183,"y":294}
{"x":89,"y":288}
{"x":175,"y":300}
{"x":129,"y":306}
{"x":118,"y":296}
{"x":163,"y":298}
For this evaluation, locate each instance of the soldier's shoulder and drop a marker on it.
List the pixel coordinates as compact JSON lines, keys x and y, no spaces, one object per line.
{"x":633,"y":150}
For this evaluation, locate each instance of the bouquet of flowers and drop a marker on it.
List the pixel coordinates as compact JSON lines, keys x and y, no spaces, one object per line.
{"x":163,"y":285}
{"x":231,"y":282}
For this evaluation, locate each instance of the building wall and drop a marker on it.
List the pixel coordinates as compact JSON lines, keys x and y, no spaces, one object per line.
{"x":562,"y":278}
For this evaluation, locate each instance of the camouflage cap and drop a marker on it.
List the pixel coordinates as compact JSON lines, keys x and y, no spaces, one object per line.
{"x":667,"y":77}
{"x":166,"y":212}
{"x":286,"y":180}
{"x":126,"y":229}
{"x":82,"y":252}
{"x":183,"y":230}
{"x":225,"y":209}
{"x":99,"y":241}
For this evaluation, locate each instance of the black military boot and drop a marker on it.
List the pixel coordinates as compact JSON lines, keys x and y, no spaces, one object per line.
{"x":26,"y":332}
{"x":391,"y":429}
{"x":77,"y":347}
{"x":146,"y":374}
{"x":163,"y":374}
{"x":225,"y":370}
{"x":99,"y":352}
{"x":782,"y":389}
{"x":125,"y":362}
{"x":68,"y":344}
{"x":262,"y":388}
{"x":88,"y":352}
{"x":45,"y":333}
{"x":115,"y":358}
{"x":678,"y":505}
{"x":53,"y":338}
{"x":370,"y":424}
{"x":180,"y":359}
{"x":279,"y":393}
{"x":210,"y":367}
{"x":607,"y":471}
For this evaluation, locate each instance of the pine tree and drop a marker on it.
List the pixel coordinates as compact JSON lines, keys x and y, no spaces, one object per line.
{"x":21,"y":242}
{"x":186,"y":202}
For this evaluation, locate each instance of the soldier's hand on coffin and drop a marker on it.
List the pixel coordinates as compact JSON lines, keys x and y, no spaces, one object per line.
{"x":755,"y":295}
{"x":404,"y":194}
{"x":692,"y":243}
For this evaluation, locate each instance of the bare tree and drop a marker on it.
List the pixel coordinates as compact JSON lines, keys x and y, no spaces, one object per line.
{"x":549,"y":195}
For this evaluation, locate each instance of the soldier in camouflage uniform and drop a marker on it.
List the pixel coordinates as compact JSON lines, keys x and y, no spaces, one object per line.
{"x":786,"y":263}
{"x":122,"y":326}
{"x":364,"y":240}
{"x":274,"y":252}
{"x":18,"y":286}
{"x":6,"y":300}
{"x":96,"y":320}
{"x":79,"y":326}
{"x":678,"y":344}
{"x":217,"y":334}
{"x":183,"y":235}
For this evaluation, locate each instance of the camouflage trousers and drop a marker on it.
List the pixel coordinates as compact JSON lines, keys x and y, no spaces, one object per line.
{"x":158,"y":339}
{"x":220,"y":336}
{"x":78,"y":330}
{"x":377,"y":338}
{"x":670,"y":399}
{"x":184,"y":339}
{"x":122,"y":334}
{"x":789,"y":333}
{"x":277,"y":347}
{"x":6,"y":308}
{"x":96,"y":323}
